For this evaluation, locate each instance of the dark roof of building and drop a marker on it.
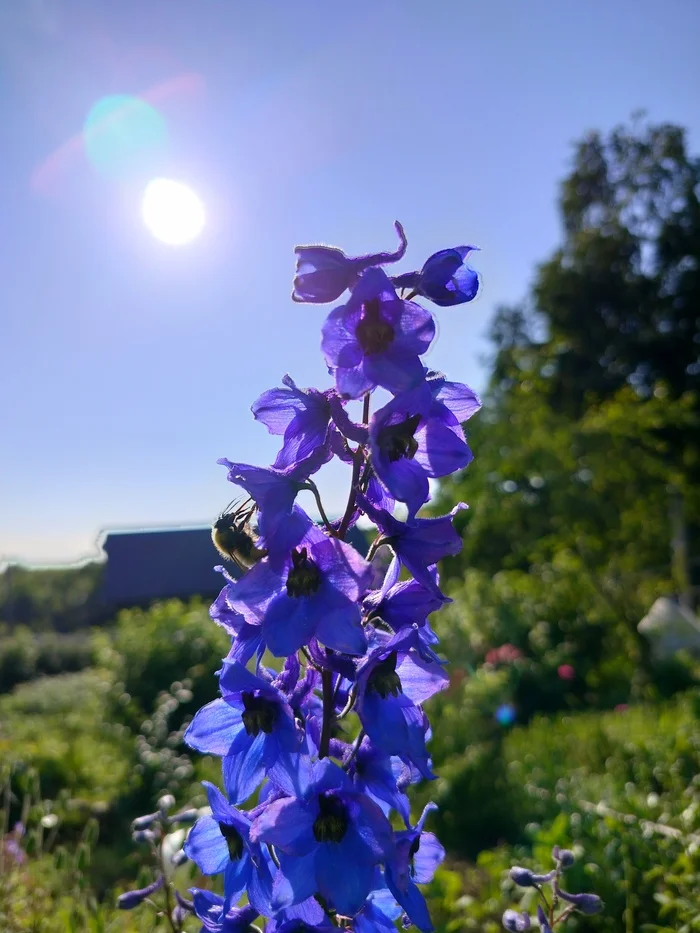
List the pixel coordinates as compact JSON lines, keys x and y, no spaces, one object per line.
{"x":165,"y":563}
{"x":173,"y":562}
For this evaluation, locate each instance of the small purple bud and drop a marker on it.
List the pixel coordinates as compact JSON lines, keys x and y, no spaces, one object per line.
{"x":179,"y":858}
{"x":525,"y":878}
{"x":185,"y":817}
{"x":132,"y":899}
{"x":144,"y":835}
{"x":522,"y":876}
{"x":144,"y":822}
{"x":543,"y":922}
{"x":515,"y":922}
{"x":565,"y":857}
{"x":586,"y":903}
{"x":184,"y":902}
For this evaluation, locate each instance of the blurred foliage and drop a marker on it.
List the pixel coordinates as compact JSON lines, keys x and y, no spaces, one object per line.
{"x":151,"y":649}
{"x":55,"y":600}
{"x":585,"y":500}
{"x":621,"y":788}
{"x":25,"y":654}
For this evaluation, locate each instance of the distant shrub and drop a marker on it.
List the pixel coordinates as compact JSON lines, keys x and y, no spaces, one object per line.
{"x":25,"y":655}
{"x":153,"y":649}
{"x":61,"y":600}
{"x":621,"y":788}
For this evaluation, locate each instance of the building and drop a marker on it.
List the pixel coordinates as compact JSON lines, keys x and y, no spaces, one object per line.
{"x":168,"y":563}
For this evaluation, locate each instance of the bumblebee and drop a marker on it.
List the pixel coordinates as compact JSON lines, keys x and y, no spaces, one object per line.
{"x":233,"y":536}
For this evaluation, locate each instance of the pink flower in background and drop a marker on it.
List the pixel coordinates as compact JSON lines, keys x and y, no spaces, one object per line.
{"x":566,"y":672}
{"x":504,"y":654}
{"x":621,"y":707}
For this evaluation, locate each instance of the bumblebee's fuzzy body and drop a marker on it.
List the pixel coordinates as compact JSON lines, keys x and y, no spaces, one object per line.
{"x":234,"y":539}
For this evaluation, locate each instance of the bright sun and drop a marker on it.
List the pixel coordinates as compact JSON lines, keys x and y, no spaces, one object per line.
{"x":172,"y":211}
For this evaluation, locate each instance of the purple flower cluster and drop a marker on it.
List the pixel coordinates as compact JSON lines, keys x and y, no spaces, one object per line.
{"x":313,"y":846}
{"x":552,"y":911}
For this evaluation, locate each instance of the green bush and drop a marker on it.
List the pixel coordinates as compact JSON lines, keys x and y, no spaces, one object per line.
{"x":622,"y":788}
{"x":153,"y":649}
{"x":61,"y":600}
{"x":25,"y":655}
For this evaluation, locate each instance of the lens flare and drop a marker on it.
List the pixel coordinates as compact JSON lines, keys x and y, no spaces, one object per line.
{"x":172,"y":211}
{"x":123,"y":135}
{"x":505,"y":714}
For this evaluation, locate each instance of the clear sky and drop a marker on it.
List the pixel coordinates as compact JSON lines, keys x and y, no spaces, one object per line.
{"x":128,"y":366}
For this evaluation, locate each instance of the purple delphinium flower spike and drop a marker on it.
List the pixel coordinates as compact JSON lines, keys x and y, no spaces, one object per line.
{"x":376,"y":339}
{"x":252,"y":728}
{"x":323,"y":273}
{"x":445,"y":278}
{"x":328,"y":841}
{"x":310,"y":591}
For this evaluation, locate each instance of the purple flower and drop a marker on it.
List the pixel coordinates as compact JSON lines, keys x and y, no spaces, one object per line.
{"x":391,"y":681}
{"x":323,"y":273}
{"x":378,"y":914}
{"x":542,"y":920}
{"x":310,"y":591}
{"x":445,"y":279}
{"x":221,"y":843}
{"x":416,"y":857}
{"x":218,"y":916}
{"x":303,"y":417}
{"x":417,"y":435}
{"x":274,"y":492}
{"x":376,"y":339}
{"x":420,"y":543}
{"x":403,"y":603}
{"x":375,"y":773}
{"x":328,"y":841}
{"x":252,"y":728}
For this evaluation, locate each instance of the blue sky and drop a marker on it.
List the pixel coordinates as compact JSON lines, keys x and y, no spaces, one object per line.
{"x":126,"y":366}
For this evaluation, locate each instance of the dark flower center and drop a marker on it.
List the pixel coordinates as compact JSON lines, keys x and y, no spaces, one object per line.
{"x":304,"y":578}
{"x":234,"y":841}
{"x":415,"y":846}
{"x":397,"y":440}
{"x":332,"y":821}
{"x":373,"y":332}
{"x":259,"y":714}
{"x":384,"y":680}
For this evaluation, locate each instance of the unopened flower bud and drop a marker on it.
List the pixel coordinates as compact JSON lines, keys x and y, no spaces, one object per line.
{"x":144,"y":822}
{"x":165,"y":803}
{"x":586,"y":903}
{"x":515,"y":922}
{"x":565,"y":857}
{"x":132,"y":899}
{"x":185,"y":817}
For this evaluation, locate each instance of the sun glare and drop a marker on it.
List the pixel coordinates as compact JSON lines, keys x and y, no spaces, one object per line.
{"x":172,"y":211}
